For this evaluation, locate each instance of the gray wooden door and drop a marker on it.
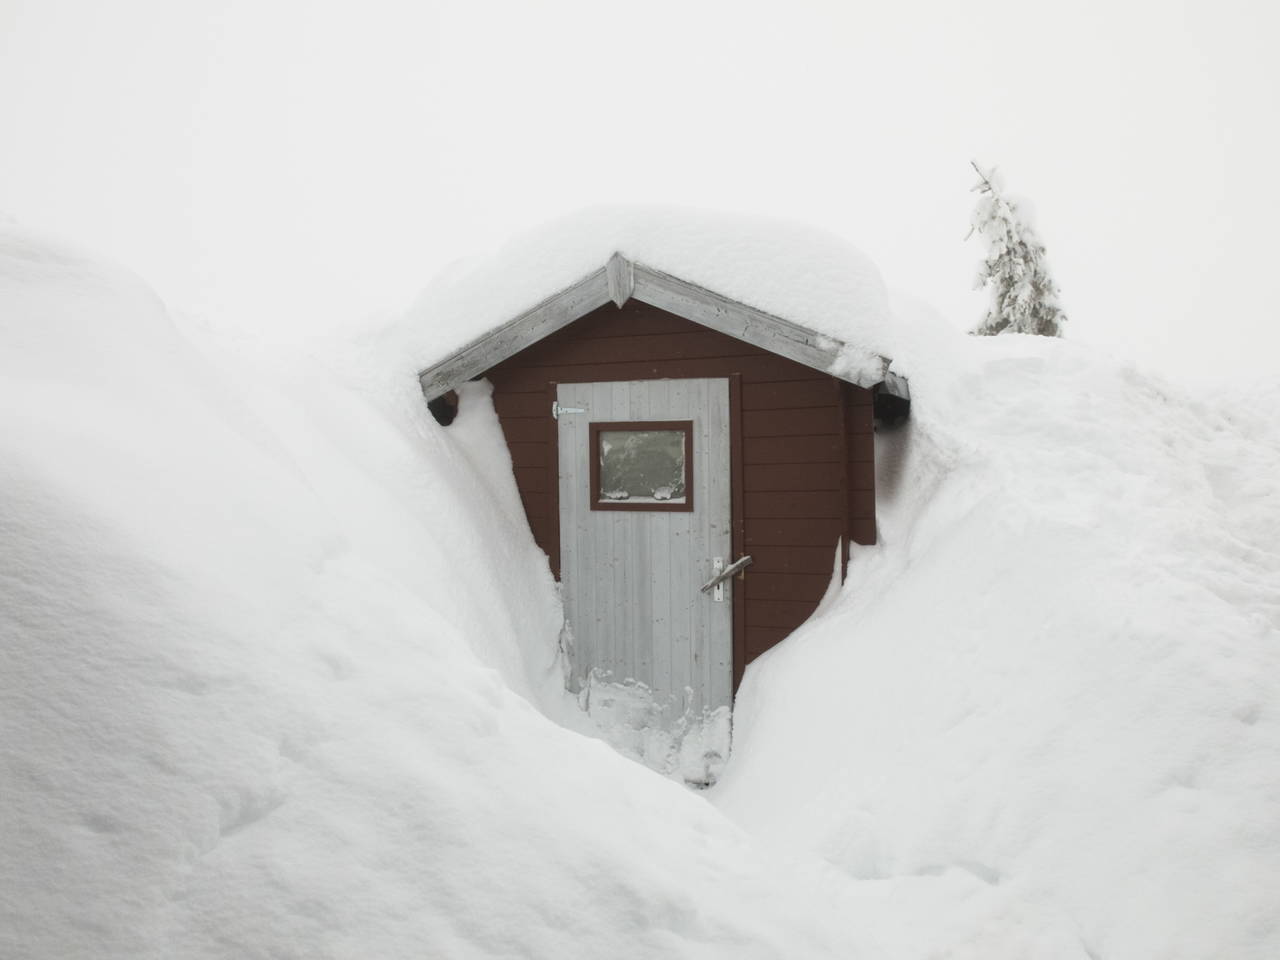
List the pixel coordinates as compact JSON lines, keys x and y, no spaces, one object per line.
{"x":637,"y":547}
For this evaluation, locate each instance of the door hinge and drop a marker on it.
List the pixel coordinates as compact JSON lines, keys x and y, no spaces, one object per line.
{"x":556,"y":409}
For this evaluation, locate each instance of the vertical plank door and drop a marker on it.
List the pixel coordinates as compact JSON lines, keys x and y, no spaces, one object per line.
{"x":632,"y":559}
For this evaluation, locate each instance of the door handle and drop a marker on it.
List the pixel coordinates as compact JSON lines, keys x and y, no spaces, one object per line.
{"x":723,"y":573}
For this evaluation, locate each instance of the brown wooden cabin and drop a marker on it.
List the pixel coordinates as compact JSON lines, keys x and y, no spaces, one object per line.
{"x":797,"y":475}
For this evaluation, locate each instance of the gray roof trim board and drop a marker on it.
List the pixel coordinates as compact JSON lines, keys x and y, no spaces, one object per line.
{"x":620,"y":280}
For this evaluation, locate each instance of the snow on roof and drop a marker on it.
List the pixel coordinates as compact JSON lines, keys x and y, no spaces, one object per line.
{"x":793,"y":271}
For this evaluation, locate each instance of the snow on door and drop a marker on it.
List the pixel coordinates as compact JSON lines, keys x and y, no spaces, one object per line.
{"x":644,"y":517}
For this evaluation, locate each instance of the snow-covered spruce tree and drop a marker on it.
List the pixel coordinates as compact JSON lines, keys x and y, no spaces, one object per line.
{"x":1024,"y":299}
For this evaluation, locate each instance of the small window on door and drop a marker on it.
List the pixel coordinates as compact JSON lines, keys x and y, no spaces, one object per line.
{"x":642,"y":465}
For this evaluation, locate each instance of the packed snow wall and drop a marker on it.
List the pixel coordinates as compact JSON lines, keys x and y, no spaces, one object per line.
{"x":1045,"y":711}
{"x":270,"y":641}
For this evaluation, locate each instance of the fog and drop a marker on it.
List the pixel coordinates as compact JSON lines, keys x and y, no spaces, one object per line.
{"x":301,"y":165}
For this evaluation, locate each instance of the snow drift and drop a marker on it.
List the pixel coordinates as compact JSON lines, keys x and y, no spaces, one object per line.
{"x":1044,"y":712}
{"x":278,"y":658}
{"x":269,"y":638}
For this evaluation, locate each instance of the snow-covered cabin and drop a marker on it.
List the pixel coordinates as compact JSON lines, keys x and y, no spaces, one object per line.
{"x":688,"y":402}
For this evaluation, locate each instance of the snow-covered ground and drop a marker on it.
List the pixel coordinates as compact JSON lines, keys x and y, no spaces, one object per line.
{"x":1043,"y":718}
{"x":279,"y":677}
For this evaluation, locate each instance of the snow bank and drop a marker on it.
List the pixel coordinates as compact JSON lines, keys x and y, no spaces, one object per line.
{"x":277,"y":657}
{"x":1044,"y":718}
{"x":269,"y":640}
{"x":797,"y":272}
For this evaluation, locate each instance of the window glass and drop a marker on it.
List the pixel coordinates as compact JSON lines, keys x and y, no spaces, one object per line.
{"x":642,"y":466}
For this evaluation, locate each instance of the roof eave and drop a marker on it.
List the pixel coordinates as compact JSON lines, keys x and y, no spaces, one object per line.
{"x":621,"y":280}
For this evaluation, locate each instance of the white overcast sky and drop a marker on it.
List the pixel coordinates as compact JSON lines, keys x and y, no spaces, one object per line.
{"x":299,"y":163}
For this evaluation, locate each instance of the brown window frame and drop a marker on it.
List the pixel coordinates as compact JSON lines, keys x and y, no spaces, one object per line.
{"x":593,"y":457}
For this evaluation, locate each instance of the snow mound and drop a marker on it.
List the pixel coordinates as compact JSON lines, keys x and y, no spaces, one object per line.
{"x":269,"y":644}
{"x":794,"y":271}
{"x":278,"y":666}
{"x":1045,"y":713}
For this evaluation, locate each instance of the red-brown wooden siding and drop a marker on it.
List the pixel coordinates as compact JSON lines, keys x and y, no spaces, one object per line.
{"x":807,"y":451}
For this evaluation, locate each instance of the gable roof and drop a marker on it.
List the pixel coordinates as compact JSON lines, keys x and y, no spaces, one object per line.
{"x":620,"y":280}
